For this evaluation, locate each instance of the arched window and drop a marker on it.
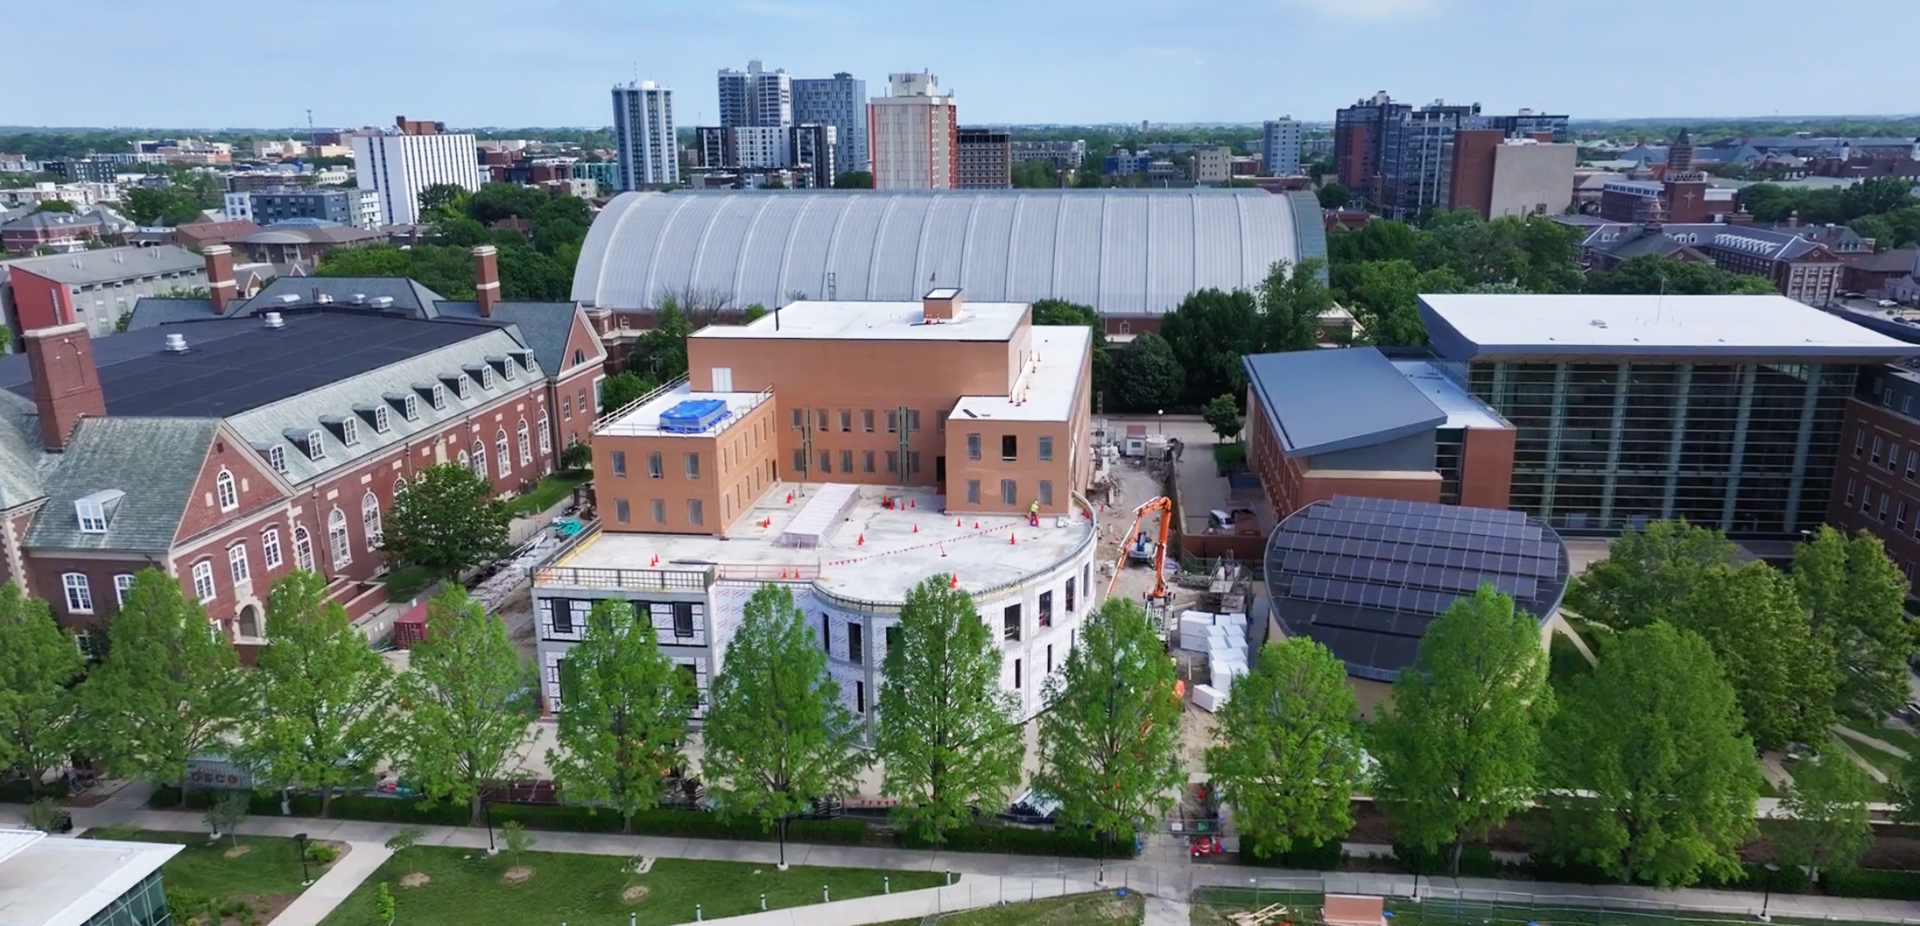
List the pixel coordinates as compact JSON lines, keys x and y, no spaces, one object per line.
{"x":501,"y":452}
{"x":546,"y":432}
{"x":223,"y":488}
{"x":521,"y":441}
{"x":480,"y":458}
{"x":302,"y":549}
{"x":237,"y":563}
{"x":579,"y":357}
{"x":370,"y":519}
{"x":337,"y":539}
{"x":466,"y":462}
{"x":203,"y":588}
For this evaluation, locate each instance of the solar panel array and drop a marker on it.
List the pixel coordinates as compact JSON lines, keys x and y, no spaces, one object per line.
{"x":1366,"y":576}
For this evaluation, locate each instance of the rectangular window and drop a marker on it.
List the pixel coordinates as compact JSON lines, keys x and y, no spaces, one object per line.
{"x":1045,"y":615}
{"x":1900,"y":517}
{"x":893,"y":637}
{"x":846,"y":419}
{"x":846,"y":461}
{"x":1893,"y":458}
{"x":122,"y":587}
{"x":237,"y":564}
{"x":1875,"y":458}
{"x":1070,"y":594}
{"x":1859,"y":444}
{"x":693,"y":466}
{"x":1010,"y":622}
{"x":562,"y":615}
{"x":826,"y":462}
{"x":859,"y":697}
{"x":973,"y":446}
{"x":893,"y":461}
{"x":1913,"y":463}
{"x":1906,"y":404}
{"x":79,"y":593}
{"x":656,"y":467}
{"x":693,"y":511}
{"x":270,"y":548}
{"x":820,"y":419}
{"x":1009,"y":447}
{"x":1046,"y":492}
{"x":203,"y":581}
{"x":1009,"y":493}
{"x":913,"y":421}
{"x":659,"y":511}
{"x":973,"y":491}
{"x":893,"y":421}
{"x":1850,"y":489}
{"x":1016,"y":673}
{"x":622,"y":512}
{"x":855,"y":651}
{"x":913,"y":462}
{"x":866,"y":420}
{"x":619,"y":459}
{"x":826,"y":635}
{"x":799,"y":462}
{"x":1882,"y":516}
{"x":1046,"y":450}
{"x":799,"y":419}
{"x":866,"y":461}
{"x":683,"y":619}
{"x":1866,"y":500}
{"x":1049,"y":659}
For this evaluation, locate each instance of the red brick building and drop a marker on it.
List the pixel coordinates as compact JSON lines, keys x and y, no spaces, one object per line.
{"x":230,"y":446}
{"x":1876,"y":480}
{"x":1355,"y":421}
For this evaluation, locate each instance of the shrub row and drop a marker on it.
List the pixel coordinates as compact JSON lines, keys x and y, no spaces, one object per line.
{"x":16,"y":791}
{"x":1326,"y":857}
{"x":1018,"y":840}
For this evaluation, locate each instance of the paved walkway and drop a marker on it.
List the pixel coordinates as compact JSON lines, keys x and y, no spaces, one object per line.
{"x":1873,"y":741}
{"x":1163,"y":869}
{"x":967,"y":894}
{"x":361,"y":860}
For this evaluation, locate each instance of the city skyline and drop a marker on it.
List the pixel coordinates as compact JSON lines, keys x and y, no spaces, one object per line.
{"x":1135,"y":62}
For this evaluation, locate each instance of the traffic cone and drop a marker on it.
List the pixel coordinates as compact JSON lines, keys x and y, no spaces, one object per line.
{"x":916,"y":528}
{"x":860,"y":541}
{"x":976,"y":525}
{"x":956,"y":581}
{"x":789,"y":498}
{"x":1010,"y":540}
{"x":656,"y":560}
{"x":956,"y":522}
{"x":913,"y":503}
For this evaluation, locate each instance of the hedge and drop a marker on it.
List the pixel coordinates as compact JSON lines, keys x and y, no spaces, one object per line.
{"x":15,"y":791}
{"x":1018,"y":840}
{"x":1326,"y":857}
{"x":1871,"y":883}
{"x":1476,"y":861}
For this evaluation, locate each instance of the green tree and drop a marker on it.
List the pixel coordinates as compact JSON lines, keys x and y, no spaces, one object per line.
{"x":777,"y":735}
{"x":1292,"y":300}
{"x":1110,"y":736}
{"x":1333,"y":195}
{"x":447,"y":520}
{"x":1288,"y":752}
{"x":1875,"y":227}
{"x":518,"y":840}
{"x":1223,"y":416}
{"x":577,"y":455}
{"x":948,"y":735}
{"x":228,"y":810}
{"x":660,"y":353}
{"x":1652,"y":275}
{"x":1828,"y":803}
{"x":53,"y":205}
{"x":1035,"y":175}
{"x":468,"y":701}
{"x":1209,"y":331}
{"x":401,"y":845}
{"x":167,"y":690}
{"x":325,"y":696}
{"x":752,"y":313}
{"x":1459,"y":752}
{"x":443,"y":200}
{"x":1146,"y":377}
{"x":1654,"y":779}
{"x":1875,"y":196}
{"x":39,"y":665}
{"x":383,"y":907}
{"x":1783,"y":676}
{"x":1857,"y":600}
{"x":1645,"y":571}
{"x":622,"y":389}
{"x":622,"y":716}
{"x":853,"y":180}
{"x":146,"y":206}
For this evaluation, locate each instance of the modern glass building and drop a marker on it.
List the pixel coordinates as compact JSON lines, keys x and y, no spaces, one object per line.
{"x":82,"y":882}
{"x":1724,"y":410}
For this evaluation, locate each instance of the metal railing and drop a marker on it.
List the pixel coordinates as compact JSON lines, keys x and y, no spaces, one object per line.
{"x":615,"y":415}
{"x":763,"y":572}
{"x":640,"y":580}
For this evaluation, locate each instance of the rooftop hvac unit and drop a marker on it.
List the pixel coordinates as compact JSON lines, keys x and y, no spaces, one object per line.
{"x":273,"y":320}
{"x":288,"y":299}
{"x":383,"y":302}
{"x":323,"y":299}
{"x":359,"y":299}
{"x":176,"y":343}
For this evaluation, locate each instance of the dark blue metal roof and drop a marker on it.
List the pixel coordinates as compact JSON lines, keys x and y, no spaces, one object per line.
{"x":1320,"y":401}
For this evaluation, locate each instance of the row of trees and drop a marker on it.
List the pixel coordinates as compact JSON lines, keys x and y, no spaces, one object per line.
{"x":1882,"y":208}
{"x":536,"y":264}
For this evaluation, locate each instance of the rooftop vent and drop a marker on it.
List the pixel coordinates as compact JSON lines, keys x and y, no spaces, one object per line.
{"x":1598,"y":323}
{"x":383,"y":302}
{"x":323,"y":299}
{"x":176,"y":343}
{"x":359,"y":299}
{"x":273,"y":320}
{"x":288,"y":299}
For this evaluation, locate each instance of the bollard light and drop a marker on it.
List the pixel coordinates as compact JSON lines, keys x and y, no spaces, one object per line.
{"x":696,"y":913}
{"x":763,"y":900}
{"x":886,"y":884}
{"x":823,"y":893}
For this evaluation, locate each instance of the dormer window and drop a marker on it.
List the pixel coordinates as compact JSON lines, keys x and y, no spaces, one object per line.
{"x":316,"y":451}
{"x":410,"y":407}
{"x":349,"y":432}
{"x":277,"y":458}
{"x":486,"y":377}
{"x":465,"y":386}
{"x":439,"y":396}
{"x":95,"y":510}
{"x":380,"y":420}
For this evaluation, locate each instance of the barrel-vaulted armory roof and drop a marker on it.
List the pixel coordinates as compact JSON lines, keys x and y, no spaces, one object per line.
{"x":1124,"y":252}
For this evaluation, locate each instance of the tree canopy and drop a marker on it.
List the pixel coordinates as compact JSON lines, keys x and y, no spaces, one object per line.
{"x":1147,"y":377}
{"x":622,"y":715}
{"x":1208,"y":333}
{"x":1652,"y":275}
{"x":1646,"y":570}
{"x":1857,"y":600}
{"x":1292,"y":299}
{"x":446,"y":519}
{"x":1783,"y":675}
{"x":1828,"y":803}
{"x":39,"y":665}
{"x":467,"y":702}
{"x":1062,"y":312}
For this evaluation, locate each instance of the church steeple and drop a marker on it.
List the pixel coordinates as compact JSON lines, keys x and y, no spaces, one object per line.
{"x":1680,"y":154}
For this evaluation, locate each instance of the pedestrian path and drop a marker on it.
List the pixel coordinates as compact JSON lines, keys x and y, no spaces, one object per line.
{"x":1873,"y":741}
{"x":968,"y":894}
{"x":360,"y":862}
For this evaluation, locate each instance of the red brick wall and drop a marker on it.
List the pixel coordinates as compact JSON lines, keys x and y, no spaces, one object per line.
{"x":254,"y":487}
{"x":1486,"y":468}
{"x":39,"y":302}
{"x":1894,"y":431}
{"x":46,"y":573}
{"x":1307,"y":487}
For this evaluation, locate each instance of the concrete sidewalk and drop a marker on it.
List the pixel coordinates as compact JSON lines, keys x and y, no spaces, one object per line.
{"x":885,"y":908}
{"x":362,"y":860}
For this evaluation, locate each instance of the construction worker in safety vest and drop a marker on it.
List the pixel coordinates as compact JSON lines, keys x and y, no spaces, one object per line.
{"x":1033,"y":513}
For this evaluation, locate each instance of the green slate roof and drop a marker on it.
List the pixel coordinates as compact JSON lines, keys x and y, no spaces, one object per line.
{"x":23,"y":464}
{"x":154,"y":460}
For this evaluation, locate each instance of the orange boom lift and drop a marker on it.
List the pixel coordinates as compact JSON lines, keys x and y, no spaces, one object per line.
{"x":1157,"y":601}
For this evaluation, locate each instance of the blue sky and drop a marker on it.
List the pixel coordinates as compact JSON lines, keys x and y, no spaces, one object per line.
{"x":533,"y":62}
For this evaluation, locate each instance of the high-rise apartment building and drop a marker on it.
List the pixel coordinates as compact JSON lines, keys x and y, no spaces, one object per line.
{"x":839,"y":101}
{"x":398,"y":165}
{"x":755,"y":97}
{"x":913,"y":131}
{"x":1401,"y":158}
{"x":1280,"y":147}
{"x":815,"y":147}
{"x":643,"y":135}
{"x":985,"y":159}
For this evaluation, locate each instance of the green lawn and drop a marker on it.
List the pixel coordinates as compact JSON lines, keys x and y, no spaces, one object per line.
{"x":467,"y":888}
{"x":268,"y":872}
{"x":1101,"y":909}
{"x":549,"y":492}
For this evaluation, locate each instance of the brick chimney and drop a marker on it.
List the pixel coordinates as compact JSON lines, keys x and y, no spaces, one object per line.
{"x":219,"y":276}
{"x":486,"y":279}
{"x":66,"y":384}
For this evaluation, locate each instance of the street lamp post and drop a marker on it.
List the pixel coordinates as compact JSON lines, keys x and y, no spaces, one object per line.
{"x":486,"y":809}
{"x":300,"y":845}
{"x":1766,"y":898}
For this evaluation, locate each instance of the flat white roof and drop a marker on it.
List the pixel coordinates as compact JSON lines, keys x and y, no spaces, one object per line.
{"x":1047,"y":391}
{"x":1772,"y":326}
{"x":873,"y":553}
{"x":61,"y":881}
{"x":877,"y":321}
{"x":644,"y":421}
{"x":1462,"y":409}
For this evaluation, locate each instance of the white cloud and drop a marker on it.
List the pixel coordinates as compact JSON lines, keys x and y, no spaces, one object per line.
{"x":1367,"y":9}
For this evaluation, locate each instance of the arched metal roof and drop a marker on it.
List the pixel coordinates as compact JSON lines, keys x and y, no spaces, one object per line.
{"x":1125,"y":252}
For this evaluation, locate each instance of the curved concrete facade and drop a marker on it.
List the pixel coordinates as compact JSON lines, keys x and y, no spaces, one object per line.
{"x":1125,"y":252}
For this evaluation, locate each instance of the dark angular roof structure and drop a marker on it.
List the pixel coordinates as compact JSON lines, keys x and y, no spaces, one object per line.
{"x":1365,"y":576}
{"x":1320,"y":401}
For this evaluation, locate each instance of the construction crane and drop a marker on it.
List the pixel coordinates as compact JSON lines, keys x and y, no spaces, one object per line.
{"x":1157,"y":601}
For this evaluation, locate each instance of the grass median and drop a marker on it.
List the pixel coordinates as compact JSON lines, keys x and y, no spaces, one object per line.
{"x":260,"y":873}
{"x":436,"y":886}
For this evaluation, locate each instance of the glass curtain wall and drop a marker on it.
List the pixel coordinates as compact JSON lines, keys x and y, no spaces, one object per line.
{"x":1745,"y":447}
